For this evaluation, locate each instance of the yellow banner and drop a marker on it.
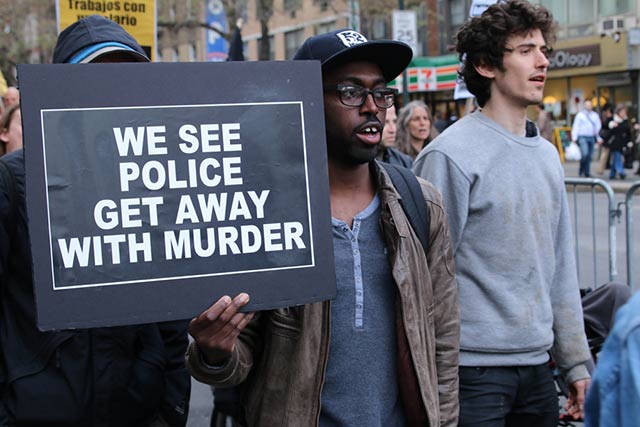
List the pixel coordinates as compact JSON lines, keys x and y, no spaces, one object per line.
{"x":3,"y":85}
{"x":137,"y":17}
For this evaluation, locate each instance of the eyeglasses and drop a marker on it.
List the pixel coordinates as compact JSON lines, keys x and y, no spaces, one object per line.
{"x":355,"y":96}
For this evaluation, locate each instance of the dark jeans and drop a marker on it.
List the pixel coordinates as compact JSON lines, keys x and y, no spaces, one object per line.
{"x":586,"y":144}
{"x":617,"y":167}
{"x":508,"y":396}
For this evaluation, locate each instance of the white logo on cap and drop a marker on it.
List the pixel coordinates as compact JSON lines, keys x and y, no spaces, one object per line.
{"x":351,"y":38}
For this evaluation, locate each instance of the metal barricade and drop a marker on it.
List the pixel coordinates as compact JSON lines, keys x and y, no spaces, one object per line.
{"x":591,"y":184}
{"x":628,"y":201}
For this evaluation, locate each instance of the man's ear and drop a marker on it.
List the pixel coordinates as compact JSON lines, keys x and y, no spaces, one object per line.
{"x":3,"y":136}
{"x":485,"y":70}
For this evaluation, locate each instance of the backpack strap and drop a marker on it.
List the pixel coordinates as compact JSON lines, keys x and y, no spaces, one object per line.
{"x":412,"y":200}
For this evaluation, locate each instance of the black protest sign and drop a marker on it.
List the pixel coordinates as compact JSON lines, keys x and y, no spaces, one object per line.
{"x":149,"y":201}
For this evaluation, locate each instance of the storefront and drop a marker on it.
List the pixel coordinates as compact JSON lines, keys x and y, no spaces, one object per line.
{"x":597,"y":68}
{"x":432,"y":80}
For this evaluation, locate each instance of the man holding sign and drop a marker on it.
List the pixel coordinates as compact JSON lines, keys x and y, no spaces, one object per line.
{"x":121,"y":376}
{"x":385,"y":350}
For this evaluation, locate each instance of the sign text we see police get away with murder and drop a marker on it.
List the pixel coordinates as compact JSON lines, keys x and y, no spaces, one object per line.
{"x":173,"y":205}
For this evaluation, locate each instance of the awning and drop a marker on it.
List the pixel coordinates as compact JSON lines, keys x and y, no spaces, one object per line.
{"x":430,"y":73}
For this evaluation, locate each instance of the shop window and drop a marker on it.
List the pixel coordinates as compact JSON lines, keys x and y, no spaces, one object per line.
{"x":423,"y":31}
{"x":582,"y":11}
{"x":581,"y":30}
{"x":292,"y":41}
{"x":582,"y":17}
{"x":459,"y":12}
{"x":292,"y":5}
{"x":615,"y":7}
{"x":558,"y":9}
{"x":272,"y":48}
{"x":323,"y":5}
{"x":444,"y":34}
{"x":324,"y":27}
{"x":378,"y":27}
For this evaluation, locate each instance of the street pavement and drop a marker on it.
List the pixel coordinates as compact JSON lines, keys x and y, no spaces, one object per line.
{"x":200,"y":406}
{"x":572,"y":169}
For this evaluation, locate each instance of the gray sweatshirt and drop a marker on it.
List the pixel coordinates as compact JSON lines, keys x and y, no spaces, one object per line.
{"x":511,"y":236}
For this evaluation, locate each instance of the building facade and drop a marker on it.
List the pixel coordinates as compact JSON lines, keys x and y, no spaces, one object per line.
{"x":181,"y":38}
{"x":291,"y":22}
{"x":596,"y":56}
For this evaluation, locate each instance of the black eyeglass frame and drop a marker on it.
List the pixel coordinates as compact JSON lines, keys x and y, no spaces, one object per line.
{"x":383,"y":92}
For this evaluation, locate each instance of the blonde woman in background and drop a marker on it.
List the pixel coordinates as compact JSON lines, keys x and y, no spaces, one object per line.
{"x":415,"y":128}
{"x":11,"y":130}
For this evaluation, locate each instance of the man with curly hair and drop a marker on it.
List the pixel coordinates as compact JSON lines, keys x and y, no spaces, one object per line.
{"x":503,"y":187}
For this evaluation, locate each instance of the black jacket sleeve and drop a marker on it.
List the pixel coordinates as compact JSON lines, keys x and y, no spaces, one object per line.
{"x":8,"y":209}
{"x":175,"y":405}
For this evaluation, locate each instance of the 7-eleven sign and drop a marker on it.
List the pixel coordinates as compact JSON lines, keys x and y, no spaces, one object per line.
{"x":421,"y":79}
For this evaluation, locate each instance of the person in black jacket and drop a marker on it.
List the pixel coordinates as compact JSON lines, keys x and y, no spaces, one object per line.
{"x":620,"y":136}
{"x":388,"y":151}
{"x":119,"y":376}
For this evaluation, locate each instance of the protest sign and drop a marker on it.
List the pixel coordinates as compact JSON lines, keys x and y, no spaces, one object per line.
{"x":148,"y":198}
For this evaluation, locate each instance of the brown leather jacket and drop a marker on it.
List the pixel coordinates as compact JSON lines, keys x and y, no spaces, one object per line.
{"x":282,"y":354}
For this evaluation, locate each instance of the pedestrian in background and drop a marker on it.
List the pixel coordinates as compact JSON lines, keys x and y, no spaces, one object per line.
{"x":11,"y":97}
{"x":121,"y":376}
{"x":504,"y":193}
{"x":388,"y":151}
{"x":620,"y":138}
{"x":544,"y":123}
{"x":605,"y":139}
{"x":586,"y":131}
{"x":440,"y":123}
{"x":415,"y":128}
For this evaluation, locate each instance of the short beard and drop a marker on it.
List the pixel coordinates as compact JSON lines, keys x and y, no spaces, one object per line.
{"x":355,"y":156}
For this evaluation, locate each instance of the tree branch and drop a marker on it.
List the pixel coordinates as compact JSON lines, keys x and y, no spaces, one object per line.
{"x":191,"y":23}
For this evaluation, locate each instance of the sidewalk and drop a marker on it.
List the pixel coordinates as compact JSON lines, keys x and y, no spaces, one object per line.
{"x":571,"y":170}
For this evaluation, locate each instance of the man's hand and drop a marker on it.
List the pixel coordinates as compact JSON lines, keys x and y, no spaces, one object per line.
{"x":575,"y":402}
{"x":217,"y":328}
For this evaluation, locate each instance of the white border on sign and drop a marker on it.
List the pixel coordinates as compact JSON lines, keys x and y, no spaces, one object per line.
{"x":226,"y":273}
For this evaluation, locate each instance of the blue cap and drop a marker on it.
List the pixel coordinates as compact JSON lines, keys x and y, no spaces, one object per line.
{"x":91,"y":53}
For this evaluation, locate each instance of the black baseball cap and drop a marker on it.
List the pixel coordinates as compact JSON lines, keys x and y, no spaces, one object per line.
{"x":342,"y":46}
